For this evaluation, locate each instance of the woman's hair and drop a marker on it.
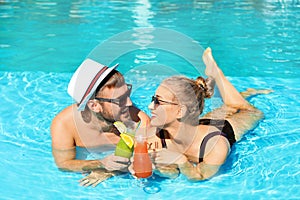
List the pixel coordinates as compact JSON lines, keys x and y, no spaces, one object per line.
{"x":191,"y":93}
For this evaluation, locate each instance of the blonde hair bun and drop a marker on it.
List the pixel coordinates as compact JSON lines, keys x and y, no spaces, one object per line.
{"x":206,"y":85}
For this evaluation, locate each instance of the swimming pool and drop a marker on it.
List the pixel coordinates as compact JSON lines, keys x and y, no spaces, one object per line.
{"x":255,"y":43}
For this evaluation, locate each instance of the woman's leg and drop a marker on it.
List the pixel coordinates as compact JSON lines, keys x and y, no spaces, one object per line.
{"x":231,"y":97}
{"x":241,"y":115}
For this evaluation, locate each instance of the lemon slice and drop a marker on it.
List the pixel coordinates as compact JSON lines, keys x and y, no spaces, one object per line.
{"x":127,"y":139}
{"x":120,"y":126}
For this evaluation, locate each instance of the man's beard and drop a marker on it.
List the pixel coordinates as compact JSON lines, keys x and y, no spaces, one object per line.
{"x":108,"y":119}
{"x":125,"y":116}
{"x":106,"y":124}
{"x":102,"y":117}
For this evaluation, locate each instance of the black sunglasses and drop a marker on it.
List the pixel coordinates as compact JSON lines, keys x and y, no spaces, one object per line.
{"x":158,"y":101}
{"x":121,"y":101}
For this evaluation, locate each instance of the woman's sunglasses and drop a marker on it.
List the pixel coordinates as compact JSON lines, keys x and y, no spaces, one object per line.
{"x":157,"y":101}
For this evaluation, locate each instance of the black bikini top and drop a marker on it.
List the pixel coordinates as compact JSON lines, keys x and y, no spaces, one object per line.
{"x":223,"y":125}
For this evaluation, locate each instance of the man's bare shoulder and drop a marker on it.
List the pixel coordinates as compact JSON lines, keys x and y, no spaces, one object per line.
{"x":63,"y":121}
{"x":63,"y":129}
{"x":65,"y":114}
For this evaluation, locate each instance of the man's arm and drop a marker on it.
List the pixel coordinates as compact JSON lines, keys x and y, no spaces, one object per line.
{"x":64,"y":149}
{"x":63,"y":145}
{"x":65,"y":161}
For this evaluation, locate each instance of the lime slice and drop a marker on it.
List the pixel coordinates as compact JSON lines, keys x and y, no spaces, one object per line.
{"x":123,"y":150}
{"x":127,"y":139}
{"x":120,"y":126}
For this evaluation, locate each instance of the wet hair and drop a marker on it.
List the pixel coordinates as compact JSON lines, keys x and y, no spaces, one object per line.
{"x":190,"y":93}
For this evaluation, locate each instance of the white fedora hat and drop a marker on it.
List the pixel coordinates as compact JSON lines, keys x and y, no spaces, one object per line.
{"x":86,"y":79}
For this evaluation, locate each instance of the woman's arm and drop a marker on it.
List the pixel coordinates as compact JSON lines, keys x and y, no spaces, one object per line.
{"x":138,"y":115}
{"x":167,"y":171}
{"x":194,"y":172}
{"x":198,"y":172}
{"x":217,"y":150}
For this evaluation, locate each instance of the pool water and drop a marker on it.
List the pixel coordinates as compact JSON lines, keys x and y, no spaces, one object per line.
{"x":255,"y":43}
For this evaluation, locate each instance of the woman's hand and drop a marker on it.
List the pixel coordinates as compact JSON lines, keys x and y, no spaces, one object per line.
{"x":167,"y":157}
{"x":131,"y":170}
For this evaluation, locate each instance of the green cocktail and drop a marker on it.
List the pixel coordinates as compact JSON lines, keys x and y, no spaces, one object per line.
{"x":124,"y":147}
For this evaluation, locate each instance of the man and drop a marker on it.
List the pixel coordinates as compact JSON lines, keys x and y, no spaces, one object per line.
{"x":102,"y":98}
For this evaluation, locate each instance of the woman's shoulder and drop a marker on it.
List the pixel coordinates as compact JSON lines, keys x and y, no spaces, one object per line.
{"x":204,"y":130}
{"x":216,"y":149}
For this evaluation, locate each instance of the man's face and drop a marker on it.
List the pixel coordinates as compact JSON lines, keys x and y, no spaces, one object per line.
{"x":115,"y":103}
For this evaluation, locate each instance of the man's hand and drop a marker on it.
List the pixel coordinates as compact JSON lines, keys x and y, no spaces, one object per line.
{"x":95,"y":177}
{"x":115,"y":163}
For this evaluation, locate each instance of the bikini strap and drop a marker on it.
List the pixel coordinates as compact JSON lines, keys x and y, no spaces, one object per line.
{"x":204,"y":142}
{"x":223,"y":125}
{"x":162,"y":138}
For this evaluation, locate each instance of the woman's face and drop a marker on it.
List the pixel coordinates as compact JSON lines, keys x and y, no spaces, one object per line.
{"x":164,"y":108}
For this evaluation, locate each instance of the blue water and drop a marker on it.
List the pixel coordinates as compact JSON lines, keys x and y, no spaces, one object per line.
{"x":256,"y":43}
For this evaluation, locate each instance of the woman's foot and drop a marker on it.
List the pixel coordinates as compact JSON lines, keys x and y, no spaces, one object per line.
{"x":230,"y":96}
{"x":212,"y":68}
{"x":252,"y":92}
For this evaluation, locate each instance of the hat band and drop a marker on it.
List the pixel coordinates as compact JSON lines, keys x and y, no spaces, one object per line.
{"x":93,"y":82}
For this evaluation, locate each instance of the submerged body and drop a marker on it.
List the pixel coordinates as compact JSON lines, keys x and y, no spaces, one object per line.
{"x":198,"y":148}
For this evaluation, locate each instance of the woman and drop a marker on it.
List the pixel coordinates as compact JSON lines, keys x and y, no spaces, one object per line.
{"x":198,"y":147}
